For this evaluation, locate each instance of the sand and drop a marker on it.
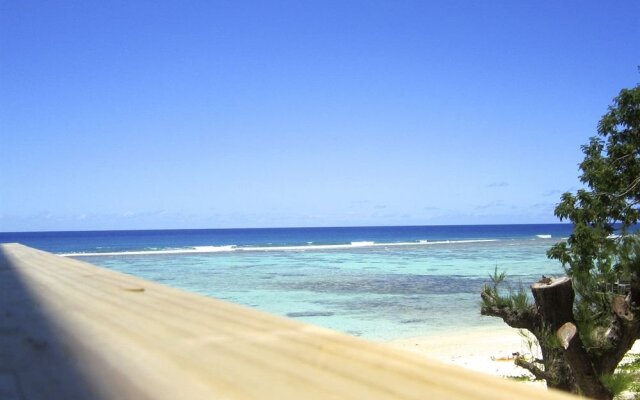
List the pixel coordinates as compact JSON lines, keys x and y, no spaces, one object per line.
{"x":485,"y":350}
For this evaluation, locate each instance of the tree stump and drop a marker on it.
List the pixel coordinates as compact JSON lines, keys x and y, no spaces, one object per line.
{"x":554,"y":299}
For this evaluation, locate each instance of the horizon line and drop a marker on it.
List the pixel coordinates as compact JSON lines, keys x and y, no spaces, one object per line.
{"x":281,"y":227}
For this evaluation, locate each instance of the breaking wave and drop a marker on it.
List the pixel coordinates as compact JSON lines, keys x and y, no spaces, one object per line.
{"x":235,"y":248}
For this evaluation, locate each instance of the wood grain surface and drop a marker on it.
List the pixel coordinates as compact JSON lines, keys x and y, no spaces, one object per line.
{"x":71,"y":330}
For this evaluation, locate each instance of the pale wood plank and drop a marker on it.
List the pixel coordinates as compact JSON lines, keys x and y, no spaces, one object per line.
{"x":64,"y":322}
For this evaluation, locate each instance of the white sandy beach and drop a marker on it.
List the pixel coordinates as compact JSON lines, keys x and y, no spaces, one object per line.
{"x":485,"y":350}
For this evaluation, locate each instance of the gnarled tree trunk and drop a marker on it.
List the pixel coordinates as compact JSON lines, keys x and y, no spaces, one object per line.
{"x":554,"y":302}
{"x":569,"y":366}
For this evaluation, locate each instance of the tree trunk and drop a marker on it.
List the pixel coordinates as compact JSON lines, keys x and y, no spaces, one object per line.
{"x":624,"y":329}
{"x":554,"y":299}
{"x":560,"y":376}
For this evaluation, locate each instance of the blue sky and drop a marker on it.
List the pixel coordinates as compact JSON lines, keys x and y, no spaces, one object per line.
{"x":203,"y":114}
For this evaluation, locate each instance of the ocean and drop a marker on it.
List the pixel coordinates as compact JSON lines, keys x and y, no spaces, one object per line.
{"x":380,"y":283}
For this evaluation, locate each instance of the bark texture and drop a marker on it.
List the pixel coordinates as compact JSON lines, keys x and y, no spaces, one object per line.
{"x":554,"y":301}
{"x":567,"y":364}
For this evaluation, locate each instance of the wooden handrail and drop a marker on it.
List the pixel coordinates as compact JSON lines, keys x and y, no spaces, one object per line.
{"x":71,"y":330}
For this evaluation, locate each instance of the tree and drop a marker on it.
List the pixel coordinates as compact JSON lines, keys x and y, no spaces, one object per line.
{"x":586,"y":321}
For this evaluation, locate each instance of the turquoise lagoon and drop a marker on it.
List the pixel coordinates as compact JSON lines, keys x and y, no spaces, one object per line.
{"x":380,"y":283}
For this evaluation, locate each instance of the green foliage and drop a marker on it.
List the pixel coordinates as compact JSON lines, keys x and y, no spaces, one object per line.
{"x":519,"y":378}
{"x":497,"y":278}
{"x":628,"y":262}
{"x":592,"y":311}
{"x":632,"y":365}
{"x":618,"y":382}
{"x":548,"y":338}
{"x":604,"y":247}
{"x":494,"y":297}
{"x":611,"y":169}
{"x":491,"y":296}
{"x":520,"y":299}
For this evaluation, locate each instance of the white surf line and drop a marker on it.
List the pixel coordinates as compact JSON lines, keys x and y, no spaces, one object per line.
{"x":232,"y":248}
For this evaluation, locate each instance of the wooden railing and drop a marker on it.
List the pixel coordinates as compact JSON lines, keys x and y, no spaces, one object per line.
{"x":71,"y":330}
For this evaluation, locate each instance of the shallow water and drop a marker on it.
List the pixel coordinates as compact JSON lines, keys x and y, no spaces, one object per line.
{"x":378,"y":292}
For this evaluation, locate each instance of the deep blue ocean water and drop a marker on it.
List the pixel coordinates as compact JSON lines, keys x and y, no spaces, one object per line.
{"x":375,"y":282}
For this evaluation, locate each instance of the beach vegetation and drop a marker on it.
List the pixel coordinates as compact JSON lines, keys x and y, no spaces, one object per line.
{"x":491,"y":293}
{"x":519,"y":378}
{"x":632,"y":364}
{"x":548,"y":338}
{"x":618,"y":382}
{"x":497,"y":278}
{"x":520,"y":299}
{"x":495,"y":294}
{"x":586,"y":321}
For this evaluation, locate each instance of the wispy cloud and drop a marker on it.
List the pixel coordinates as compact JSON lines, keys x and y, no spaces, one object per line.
{"x":359,"y":204}
{"x":493,"y":204}
{"x":498,"y":184}
{"x":543,"y":206}
{"x":553,"y":192}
